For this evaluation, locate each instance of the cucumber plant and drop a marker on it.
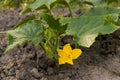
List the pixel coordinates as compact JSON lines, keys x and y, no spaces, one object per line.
{"x":100,"y":17}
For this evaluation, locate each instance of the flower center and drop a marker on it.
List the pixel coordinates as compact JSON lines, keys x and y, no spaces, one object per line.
{"x":69,"y":56}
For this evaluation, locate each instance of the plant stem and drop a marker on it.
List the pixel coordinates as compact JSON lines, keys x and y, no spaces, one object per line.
{"x":70,"y":10}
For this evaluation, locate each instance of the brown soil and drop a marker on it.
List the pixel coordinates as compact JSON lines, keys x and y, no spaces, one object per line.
{"x":100,"y":62}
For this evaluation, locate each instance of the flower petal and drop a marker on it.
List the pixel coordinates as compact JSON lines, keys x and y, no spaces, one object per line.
{"x":61,"y":53}
{"x":70,"y":61}
{"x":61,"y":61}
{"x":76,"y":53}
{"x":67,"y":48}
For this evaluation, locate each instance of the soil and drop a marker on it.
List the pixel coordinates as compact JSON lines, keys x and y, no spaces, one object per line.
{"x":27,"y":62}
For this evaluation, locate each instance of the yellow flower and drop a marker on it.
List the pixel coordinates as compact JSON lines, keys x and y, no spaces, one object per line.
{"x":67,"y":55}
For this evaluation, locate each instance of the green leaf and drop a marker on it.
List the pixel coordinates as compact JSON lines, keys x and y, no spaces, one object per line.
{"x":102,"y":11}
{"x":63,"y":1}
{"x":53,"y":23}
{"x":50,"y":44}
{"x":113,"y":2}
{"x":38,"y":4}
{"x":87,"y":27}
{"x":29,"y":31}
{"x":25,"y":20}
{"x":96,"y":2}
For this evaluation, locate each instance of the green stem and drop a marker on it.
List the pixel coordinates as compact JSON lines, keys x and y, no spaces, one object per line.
{"x":57,"y":43}
{"x":70,"y":10}
{"x":41,"y":44}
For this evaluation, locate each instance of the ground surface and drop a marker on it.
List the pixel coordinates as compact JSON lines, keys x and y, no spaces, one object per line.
{"x":100,"y":62}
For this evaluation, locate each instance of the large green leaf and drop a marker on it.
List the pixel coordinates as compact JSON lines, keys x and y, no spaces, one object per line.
{"x":43,"y":4}
{"x":87,"y":27}
{"x":29,"y":31}
{"x":38,"y":4}
{"x":100,"y":11}
{"x":32,"y":17}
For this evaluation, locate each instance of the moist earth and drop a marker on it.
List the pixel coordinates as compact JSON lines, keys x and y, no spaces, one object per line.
{"x":99,"y":62}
